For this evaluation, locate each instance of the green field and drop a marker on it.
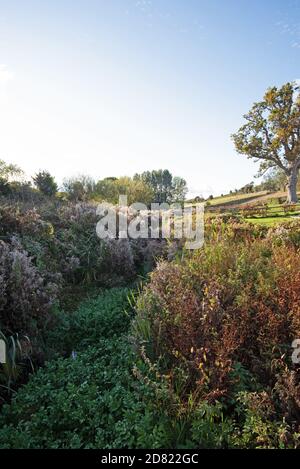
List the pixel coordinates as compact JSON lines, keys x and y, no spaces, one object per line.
{"x":269,"y":221}
{"x":236,"y":199}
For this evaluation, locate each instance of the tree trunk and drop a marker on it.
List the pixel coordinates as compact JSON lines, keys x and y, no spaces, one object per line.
{"x":292,"y":186}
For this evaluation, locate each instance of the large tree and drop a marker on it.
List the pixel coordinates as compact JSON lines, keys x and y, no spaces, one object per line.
{"x":179,"y":189}
{"x":80,"y":188}
{"x":110,"y":189}
{"x":165,"y":187}
{"x":8,"y":173}
{"x":271,"y":134}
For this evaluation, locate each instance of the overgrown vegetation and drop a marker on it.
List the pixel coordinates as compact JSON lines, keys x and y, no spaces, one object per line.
{"x":197,"y":356}
{"x":201,"y":358}
{"x":50,"y":259}
{"x":89,"y":399}
{"x":218,"y":327}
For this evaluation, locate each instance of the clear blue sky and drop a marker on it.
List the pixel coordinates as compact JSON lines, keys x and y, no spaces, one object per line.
{"x":114,"y":87}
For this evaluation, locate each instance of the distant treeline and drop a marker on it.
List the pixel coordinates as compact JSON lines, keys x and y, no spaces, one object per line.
{"x":158,"y":186}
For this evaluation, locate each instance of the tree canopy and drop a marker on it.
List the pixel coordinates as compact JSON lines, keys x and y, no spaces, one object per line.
{"x":271,"y":134}
{"x":9,"y":171}
{"x":45,"y":183}
{"x":166,"y":188}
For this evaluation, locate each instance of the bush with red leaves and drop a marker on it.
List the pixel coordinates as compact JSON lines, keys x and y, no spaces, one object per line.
{"x":226,"y":316}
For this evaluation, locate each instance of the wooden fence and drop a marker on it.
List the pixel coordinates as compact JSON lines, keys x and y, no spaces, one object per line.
{"x":257,"y":211}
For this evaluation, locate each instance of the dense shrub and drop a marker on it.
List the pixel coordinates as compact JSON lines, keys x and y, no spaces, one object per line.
{"x":61,"y":239}
{"x":27,"y":300}
{"x":14,"y":221}
{"x":26,"y":297}
{"x":221,"y":323}
{"x":286,"y":234}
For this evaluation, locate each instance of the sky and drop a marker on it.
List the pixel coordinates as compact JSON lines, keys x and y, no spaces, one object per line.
{"x":116,"y":87}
